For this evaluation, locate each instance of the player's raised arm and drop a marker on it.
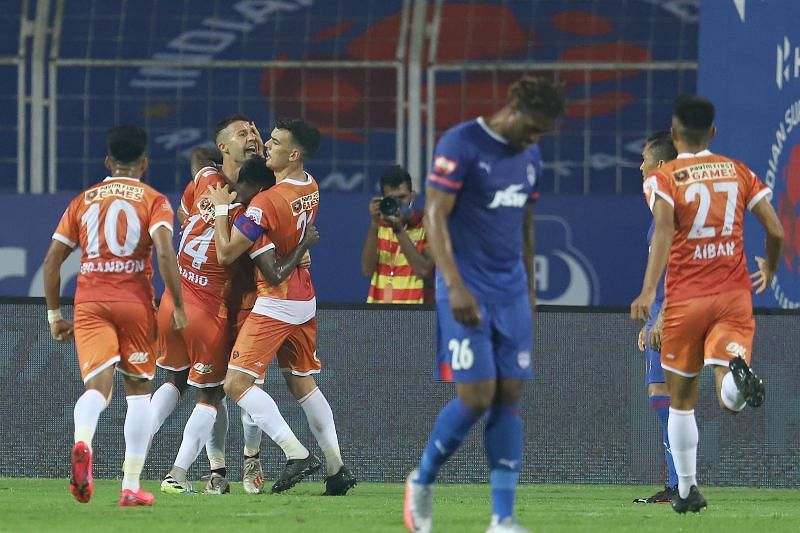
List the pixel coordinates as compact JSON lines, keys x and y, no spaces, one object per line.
{"x":168,"y":267}
{"x":60,"y":329}
{"x":663,"y":214}
{"x":438,"y":206}
{"x":230,"y":242}
{"x":765,"y":214}
{"x":276,"y":270}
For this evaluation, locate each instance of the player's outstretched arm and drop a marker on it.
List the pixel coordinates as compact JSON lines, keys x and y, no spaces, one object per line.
{"x":230,"y":242}
{"x":60,"y":329}
{"x":168,"y":267}
{"x":438,"y":206}
{"x":766,"y":268}
{"x":275,"y":270}
{"x":663,"y":214}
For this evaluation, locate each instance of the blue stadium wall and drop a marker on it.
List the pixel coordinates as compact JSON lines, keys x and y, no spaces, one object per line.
{"x":749,"y":65}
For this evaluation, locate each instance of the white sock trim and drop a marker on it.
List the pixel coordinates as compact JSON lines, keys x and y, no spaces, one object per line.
{"x":680,"y":412}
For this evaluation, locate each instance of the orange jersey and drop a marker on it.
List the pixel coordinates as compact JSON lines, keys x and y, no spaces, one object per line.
{"x":113,"y":222}
{"x":204,"y":280}
{"x":277,"y":218}
{"x":709,"y":194}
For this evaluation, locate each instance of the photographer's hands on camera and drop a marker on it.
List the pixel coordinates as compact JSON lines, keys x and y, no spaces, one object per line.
{"x":394,"y":220}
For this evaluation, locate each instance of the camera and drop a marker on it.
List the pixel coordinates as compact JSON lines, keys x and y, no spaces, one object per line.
{"x":389,"y":207}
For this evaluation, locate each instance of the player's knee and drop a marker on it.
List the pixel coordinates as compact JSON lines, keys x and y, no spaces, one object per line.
{"x":236,"y":383}
{"x":178,"y":378}
{"x":136,"y":386}
{"x":210,"y":395}
{"x":480,"y":403}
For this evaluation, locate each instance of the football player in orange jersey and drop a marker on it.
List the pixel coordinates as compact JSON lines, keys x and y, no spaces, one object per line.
{"x":198,"y":356}
{"x":698,"y":202}
{"x":284,"y":317}
{"x":117,"y":223}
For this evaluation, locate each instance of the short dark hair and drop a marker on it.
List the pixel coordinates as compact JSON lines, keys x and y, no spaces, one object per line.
{"x":126,"y":143}
{"x":661,"y":146}
{"x":535,"y":95}
{"x":254,"y":171}
{"x":227,"y":121}
{"x":303,"y":132}
{"x":395,"y":177}
{"x":695,"y":115}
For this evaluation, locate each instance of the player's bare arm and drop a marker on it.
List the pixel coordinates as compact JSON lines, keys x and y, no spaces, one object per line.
{"x":438,"y":206}
{"x":663,"y":214}
{"x":168,"y":267}
{"x":276,"y":270}
{"x":765,"y":214}
{"x":529,"y":252}
{"x":60,"y":329}
{"x":230,"y":242}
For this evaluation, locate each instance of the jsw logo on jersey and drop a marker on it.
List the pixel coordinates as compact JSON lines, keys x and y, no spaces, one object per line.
{"x":509,"y":197}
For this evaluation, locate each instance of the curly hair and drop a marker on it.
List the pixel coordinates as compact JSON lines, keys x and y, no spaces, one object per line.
{"x":536,"y":96}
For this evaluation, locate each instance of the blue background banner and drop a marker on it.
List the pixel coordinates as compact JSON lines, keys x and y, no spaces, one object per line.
{"x":749,"y":65}
{"x":590,"y":249}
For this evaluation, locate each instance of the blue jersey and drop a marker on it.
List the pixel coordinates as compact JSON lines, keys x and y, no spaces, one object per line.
{"x":660,"y":289}
{"x":493,"y":185}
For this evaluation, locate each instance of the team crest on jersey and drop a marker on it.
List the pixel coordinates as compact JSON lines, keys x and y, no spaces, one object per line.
{"x":305,"y":203}
{"x":206,"y":209}
{"x":442,"y":165}
{"x":254,"y":213}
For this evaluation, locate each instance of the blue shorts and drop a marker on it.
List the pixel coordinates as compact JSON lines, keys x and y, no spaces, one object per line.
{"x":500,"y":347}
{"x":655,"y":374}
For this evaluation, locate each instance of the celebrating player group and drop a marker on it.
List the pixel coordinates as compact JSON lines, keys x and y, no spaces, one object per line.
{"x":239,"y":294}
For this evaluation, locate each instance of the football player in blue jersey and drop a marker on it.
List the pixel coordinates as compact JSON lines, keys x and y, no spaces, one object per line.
{"x":479,"y":222}
{"x":658,"y":149}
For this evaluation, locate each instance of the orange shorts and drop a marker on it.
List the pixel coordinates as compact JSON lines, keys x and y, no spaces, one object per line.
{"x":708,"y":330}
{"x":261,"y":338}
{"x":121,"y":333}
{"x":202,"y":346}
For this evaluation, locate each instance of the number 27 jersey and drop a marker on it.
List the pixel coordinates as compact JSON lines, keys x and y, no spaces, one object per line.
{"x":709,"y":194}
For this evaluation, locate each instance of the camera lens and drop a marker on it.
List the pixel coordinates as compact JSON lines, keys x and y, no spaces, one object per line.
{"x":389,"y":206}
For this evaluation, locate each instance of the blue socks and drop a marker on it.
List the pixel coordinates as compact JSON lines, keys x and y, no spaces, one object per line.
{"x":451,"y":426}
{"x":504,"y":450}
{"x":661,"y":406}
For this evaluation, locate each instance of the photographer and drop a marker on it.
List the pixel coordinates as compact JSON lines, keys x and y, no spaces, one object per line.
{"x":395,"y":253}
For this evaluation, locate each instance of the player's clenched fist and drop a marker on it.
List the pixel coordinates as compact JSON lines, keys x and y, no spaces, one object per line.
{"x":640,"y":308}
{"x":464,"y":306}
{"x":179,"y":319}
{"x":61,"y":330}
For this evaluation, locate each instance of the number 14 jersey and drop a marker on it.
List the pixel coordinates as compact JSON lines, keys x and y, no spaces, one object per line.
{"x":709,"y":193}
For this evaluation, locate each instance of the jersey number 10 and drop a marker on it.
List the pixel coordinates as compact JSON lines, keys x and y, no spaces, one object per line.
{"x":91,"y":218}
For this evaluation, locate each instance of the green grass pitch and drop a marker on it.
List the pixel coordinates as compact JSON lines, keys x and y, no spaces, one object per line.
{"x":46,"y":505}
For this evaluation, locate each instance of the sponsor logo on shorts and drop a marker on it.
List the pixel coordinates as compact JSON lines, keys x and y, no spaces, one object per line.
{"x":200,"y":368}
{"x":138,"y":357}
{"x":524,"y":359}
{"x":235,"y":354}
{"x":736,"y":350}
{"x":671,"y":356}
